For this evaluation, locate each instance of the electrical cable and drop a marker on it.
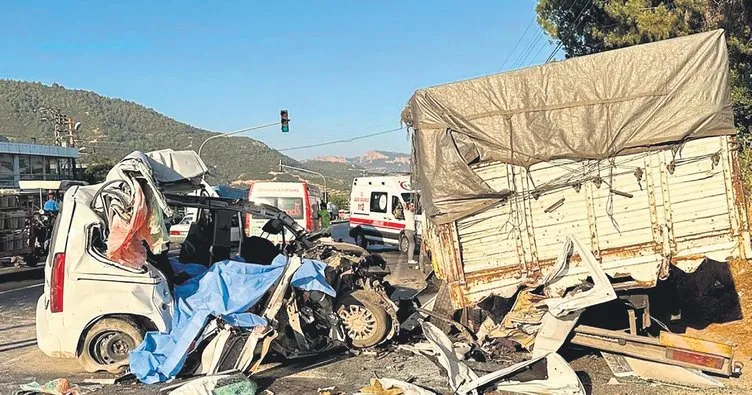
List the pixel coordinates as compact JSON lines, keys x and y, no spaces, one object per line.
{"x":517,"y":43}
{"x":577,"y":22}
{"x":343,"y":140}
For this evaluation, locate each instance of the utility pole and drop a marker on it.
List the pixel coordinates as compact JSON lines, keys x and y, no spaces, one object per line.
{"x":282,"y":167}
{"x":65,"y":130}
{"x":64,"y":127}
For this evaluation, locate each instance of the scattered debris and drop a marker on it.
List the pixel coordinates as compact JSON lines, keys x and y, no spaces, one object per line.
{"x":613,"y":381}
{"x":60,"y":386}
{"x":107,"y":381}
{"x":459,"y":373}
{"x":221,"y":384}
{"x":384,"y":386}
{"x":328,"y":391}
{"x":554,"y":375}
{"x":624,"y":366}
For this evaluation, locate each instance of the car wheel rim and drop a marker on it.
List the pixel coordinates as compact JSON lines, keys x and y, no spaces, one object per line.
{"x":359,"y":322}
{"x":111,"y":347}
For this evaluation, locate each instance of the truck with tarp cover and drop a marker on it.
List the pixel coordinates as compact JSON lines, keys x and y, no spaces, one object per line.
{"x":632,"y":151}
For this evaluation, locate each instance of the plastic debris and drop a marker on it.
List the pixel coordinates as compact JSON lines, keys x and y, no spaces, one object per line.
{"x":55,"y":387}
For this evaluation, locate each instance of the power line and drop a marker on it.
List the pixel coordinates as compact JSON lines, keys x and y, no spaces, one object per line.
{"x":578,"y":21}
{"x":517,"y":43}
{"x":343,"y":140}
{"x":527,"y":50}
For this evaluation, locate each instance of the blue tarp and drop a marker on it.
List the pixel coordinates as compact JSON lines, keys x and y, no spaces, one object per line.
{"x":227,"y":289}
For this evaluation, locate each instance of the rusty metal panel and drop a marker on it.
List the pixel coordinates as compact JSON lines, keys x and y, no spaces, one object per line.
{"x":637,"y":212}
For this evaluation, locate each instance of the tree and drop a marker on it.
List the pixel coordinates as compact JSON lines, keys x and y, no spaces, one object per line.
{"x":94,"y":173}
{"x":587,"y":26}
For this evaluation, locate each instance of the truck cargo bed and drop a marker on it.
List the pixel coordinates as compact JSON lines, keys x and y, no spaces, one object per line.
{"x":639,"y":213}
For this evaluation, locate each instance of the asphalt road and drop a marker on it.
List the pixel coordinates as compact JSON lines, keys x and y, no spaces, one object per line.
{"x":22,"y":362}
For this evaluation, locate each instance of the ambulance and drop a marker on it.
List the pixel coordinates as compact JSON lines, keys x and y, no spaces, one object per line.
{"x":299,"y":200}
{"x":376,"y":211}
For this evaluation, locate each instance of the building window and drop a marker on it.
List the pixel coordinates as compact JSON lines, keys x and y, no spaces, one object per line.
{"x":6,"y":164}
{"x":37,"y":165}
{"x":24,"y":167}
{"x":48,"y":165}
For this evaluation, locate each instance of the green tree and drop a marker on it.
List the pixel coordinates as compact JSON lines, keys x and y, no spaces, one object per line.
{"x":587,"y":26}
{"x":94,"y":173}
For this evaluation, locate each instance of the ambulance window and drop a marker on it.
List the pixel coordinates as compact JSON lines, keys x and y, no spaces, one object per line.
{"x":378,"y":202}
{"x":292,"y":206}
{"x":397,"y":209}
{"x":414,"y":199}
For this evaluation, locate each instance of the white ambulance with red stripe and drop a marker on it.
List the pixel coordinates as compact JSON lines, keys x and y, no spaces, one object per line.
{"x":299,"y":200}
{"x":377,"y":210}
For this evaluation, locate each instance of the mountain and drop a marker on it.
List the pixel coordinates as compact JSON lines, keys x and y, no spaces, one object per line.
{"x":112,"y":128}
{"x":373,"y":161}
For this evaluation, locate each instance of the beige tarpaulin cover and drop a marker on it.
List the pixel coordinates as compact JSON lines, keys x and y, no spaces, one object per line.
{"x":591,"y":107}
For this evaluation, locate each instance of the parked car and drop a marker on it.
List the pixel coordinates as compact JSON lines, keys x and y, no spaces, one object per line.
{"x":179,"y":231}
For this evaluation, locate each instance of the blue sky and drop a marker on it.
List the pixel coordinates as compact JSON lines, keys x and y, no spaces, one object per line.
{"x":341,"y":68}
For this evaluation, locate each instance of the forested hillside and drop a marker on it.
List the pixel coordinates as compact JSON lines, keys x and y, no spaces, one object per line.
{"x":111,"y":128}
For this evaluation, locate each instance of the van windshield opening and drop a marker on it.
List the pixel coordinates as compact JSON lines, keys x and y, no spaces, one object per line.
{"x":293,"y":206}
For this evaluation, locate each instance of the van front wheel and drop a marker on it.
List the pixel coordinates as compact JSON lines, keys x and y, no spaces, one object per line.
{"x":108,"y":343}
{"x":360,"y":240}
{"x":404,"y":244}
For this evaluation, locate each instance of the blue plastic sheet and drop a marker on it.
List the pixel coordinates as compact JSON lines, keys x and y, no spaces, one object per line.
{"x":227,"y":289}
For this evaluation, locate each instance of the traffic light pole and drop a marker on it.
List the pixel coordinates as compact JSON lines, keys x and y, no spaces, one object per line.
{"x":235,"y":132}
{"x":282,"y":167}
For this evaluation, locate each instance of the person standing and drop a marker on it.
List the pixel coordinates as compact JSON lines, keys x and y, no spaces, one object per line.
{"x":324,"y":217}
{"x":409,"y":213}
{"x":51,"y":205}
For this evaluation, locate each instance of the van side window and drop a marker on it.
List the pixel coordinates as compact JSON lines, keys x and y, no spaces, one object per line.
{"x":378,"y":202}
{"x":97,"y":240}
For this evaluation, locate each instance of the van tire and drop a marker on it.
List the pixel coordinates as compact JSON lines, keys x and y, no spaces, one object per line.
{"x":107,"y":344}
{"x":374,"y":322}
{"x":360,"y":239}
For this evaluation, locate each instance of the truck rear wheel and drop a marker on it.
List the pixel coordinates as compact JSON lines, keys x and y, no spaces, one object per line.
{"x":108,"y":343}
{"x":365,"y":321}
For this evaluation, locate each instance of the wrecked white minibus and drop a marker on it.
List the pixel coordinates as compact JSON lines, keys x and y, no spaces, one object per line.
{"x":112,"y":287}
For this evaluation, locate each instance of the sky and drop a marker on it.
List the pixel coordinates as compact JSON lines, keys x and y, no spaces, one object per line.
{"x":341,"y":69}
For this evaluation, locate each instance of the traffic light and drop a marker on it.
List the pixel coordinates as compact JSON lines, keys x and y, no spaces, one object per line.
{"x":285,"y":121}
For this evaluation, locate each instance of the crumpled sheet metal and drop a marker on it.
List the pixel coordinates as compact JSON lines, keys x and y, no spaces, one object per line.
{"x":561,"y":379}
{"x":543,"y":322}
{"x":227,"y":290}
{"x":601,"y":292}
{"x":590,"y":107}
{"x":520,"y":323}
{"x":458,"y":372}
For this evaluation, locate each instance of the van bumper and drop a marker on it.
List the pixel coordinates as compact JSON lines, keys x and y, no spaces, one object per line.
{"x":50,"y":340}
